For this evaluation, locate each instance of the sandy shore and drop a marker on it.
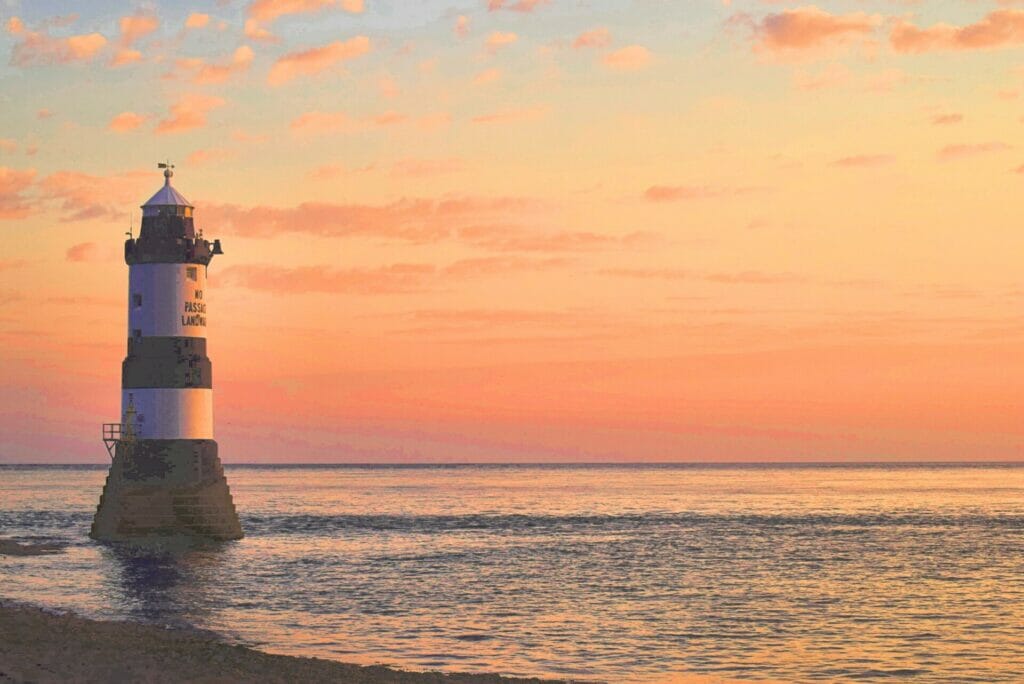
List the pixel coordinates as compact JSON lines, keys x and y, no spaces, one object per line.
{"x":39,"y":646}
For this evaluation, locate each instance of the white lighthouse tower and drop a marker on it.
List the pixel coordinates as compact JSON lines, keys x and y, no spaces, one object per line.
{"x":166,"y":477}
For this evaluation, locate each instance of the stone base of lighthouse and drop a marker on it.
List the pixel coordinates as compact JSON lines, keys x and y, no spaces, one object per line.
{"x":166,"y":487}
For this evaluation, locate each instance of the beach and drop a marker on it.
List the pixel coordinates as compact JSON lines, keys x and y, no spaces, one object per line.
{"x":37,"y":645}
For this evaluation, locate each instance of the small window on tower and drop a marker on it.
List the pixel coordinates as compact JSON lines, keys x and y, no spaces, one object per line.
{"x":192,"y":272}
{"x":137,"y":300}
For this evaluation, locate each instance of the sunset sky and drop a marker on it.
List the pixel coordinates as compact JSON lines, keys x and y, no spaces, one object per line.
{"x":529,"y":230}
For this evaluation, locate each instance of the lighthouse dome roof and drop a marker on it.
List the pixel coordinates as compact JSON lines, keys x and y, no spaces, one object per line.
{"x":167,"y":196}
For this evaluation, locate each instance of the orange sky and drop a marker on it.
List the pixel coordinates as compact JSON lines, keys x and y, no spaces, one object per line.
{"x":531,"y":230}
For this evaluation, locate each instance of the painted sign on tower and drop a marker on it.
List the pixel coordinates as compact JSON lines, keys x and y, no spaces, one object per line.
{"x":166,"y":477}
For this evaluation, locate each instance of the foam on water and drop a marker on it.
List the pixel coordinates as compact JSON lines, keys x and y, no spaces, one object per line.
{"x":637,"y":573}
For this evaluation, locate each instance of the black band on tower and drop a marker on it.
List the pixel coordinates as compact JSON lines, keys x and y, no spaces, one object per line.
{"x":166,"y":362}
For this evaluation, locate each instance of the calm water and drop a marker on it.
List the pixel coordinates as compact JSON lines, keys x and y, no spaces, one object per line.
{"x":614,"y":573}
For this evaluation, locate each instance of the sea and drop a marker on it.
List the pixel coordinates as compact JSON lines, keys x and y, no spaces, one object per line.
{"x":614,"y":573}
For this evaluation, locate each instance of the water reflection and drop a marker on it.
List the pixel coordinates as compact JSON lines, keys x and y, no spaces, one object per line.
{"x":166,"y":582}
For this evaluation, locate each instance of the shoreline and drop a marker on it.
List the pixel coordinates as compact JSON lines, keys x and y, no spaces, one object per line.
{"x":41,"y":645}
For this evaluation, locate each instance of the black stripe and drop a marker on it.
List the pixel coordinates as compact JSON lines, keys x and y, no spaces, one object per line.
{"x":166,"y":363}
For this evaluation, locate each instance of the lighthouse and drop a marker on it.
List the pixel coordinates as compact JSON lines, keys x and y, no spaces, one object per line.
{"x":165,"y":476}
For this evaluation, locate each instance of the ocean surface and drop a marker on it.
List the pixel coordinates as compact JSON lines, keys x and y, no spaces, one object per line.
{"x":612,"y":573}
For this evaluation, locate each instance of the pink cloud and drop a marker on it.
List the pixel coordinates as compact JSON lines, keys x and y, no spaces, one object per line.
{"x":487,"y":76}
{"x":126,"y":121}
{"x":628,"y":58}
{"x":37,"y":48}
{"x":864,"y":160}
{"x":197,"y":20}
{"x":515,"y":5}
{"x":594,"y":38}
{"x":963,"y":151}
{"x":13,"y":183}
{"x":266,"y":11}
{"x":204,"y":73}
{"x":188,"y":113}
{"x":394,"y":279}
{"x":499,"y":39}
{"x":316,"y":60}
{"x":412,"y":220}
{"x":676,"y":193}
{"x":998,"y":29}
{"x":125,"y":56}
{"x":809,"y":27}
{"x":135,"y":27}
{"x":462,"y":26}
{"x":81,"y":196}
{"x":87,"y":251}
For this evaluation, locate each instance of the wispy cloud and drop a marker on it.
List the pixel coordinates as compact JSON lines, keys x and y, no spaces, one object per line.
{"x":963,"y":151}
{"x":34,"y":48}
{"x":1002,"y":28}
{"x":126,"y":121}
{"x":188,"y":113}
{"x":629,"y":58}
{"x":13,"y":184}
{"x":316,"y":60}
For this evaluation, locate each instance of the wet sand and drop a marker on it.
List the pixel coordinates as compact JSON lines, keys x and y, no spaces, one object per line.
{"x":40,"y":646}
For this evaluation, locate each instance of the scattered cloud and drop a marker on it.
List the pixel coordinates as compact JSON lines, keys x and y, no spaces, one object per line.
{"x":126,"y":121}
{"x":137,"y":26}
{"x":864,"y":160}
{"x":487,"y":76}
{"x":132,"y":29}
{"x":316,"y":60}
{"x":963,"y":151}
{"x":682,"y":193}
{"x":87,"y":252}
{"x":38,"y":48}
{"x":594,"y":38}
{"x":412,"y":220}
{"x":515,"y":5}
{"x":254,"y":31}
{"x":462,"y":26}
{"x":197,"y":20}
{"x":44,"y":114}
{"x":629,"y":58}
{"x":393,"y":279}
{"x":82,"y":196}
{"x":267,"y":11}
{"x":1000,"y":28}
{"x":204,"y":73}
{"x":498,"y":39}
{"x":13,"y":184}
{"x":189,"y":113}
{"x":807,"y":28}
{"x":946,"y":119}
